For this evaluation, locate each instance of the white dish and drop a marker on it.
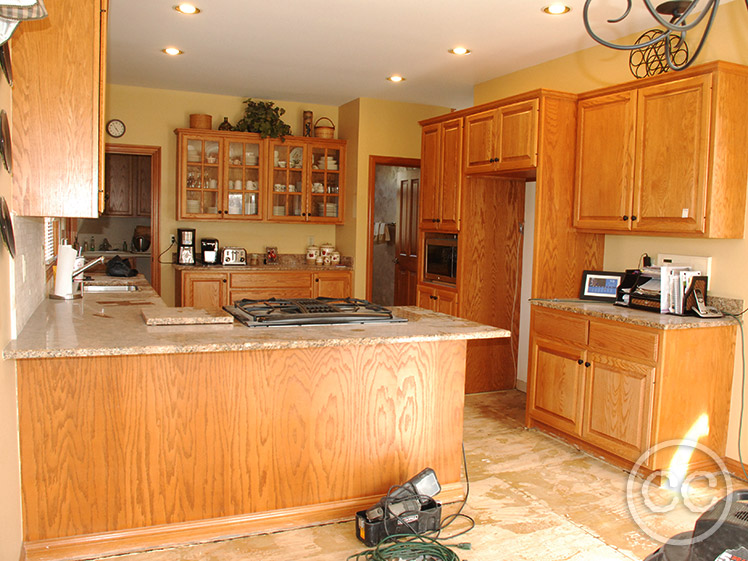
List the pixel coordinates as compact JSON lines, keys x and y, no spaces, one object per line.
{"x":279,"y":211}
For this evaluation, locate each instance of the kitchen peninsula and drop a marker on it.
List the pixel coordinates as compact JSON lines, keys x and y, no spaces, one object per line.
{"x":134,"y":436}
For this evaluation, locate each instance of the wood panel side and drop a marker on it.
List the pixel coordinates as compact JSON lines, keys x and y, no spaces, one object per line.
{"x":490,"y":254}
{"x":560,"y":253}
{"x":116,"y":443}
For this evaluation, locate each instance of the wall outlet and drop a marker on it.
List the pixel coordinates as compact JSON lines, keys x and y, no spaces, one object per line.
{"x":173,"y":239}
{"x":310,"y":240}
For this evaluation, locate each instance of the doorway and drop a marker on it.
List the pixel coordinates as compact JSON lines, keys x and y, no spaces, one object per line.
{"x":393,"y":230}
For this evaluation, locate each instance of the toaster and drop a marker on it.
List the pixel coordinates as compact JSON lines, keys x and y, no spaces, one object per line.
{"x":233,"y":256}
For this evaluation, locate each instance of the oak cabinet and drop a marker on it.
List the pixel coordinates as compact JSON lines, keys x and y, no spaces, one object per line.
{"x":662,"y":156}
{"x":441,"y":175}
{"x":207,"y":290}
{"x":57,"y":106}
{"x":331,"y":284}
{"x":502,"y":139}
{"x":240,"y":176}
{"x":436,"y":298}
{"x":128,"y":185}
{"x":618,"y":389}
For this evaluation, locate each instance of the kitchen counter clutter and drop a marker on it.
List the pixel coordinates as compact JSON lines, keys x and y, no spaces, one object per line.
{"x":134,"y":436}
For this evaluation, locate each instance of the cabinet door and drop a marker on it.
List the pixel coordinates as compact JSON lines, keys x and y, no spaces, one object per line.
{"x":326,"y":188}
{"x":604,"y":186}
{"x":446,"y":301}
{"x":672,"y":156}
{"x":243,"y":180}
{"x":119,"y":175}
{"x":451,"y":174}
{"x":332,"y":284}
{"x":430,"y":170}
{"x":517,"y":135}
{"x":204,"y":290}
{"x":288,"y":199}
{"x":57,"y":110}
{"x":479,"y":139}
{"x":556,"y":384}
{"x":618,"y":405}
{"x":142,"y":193}
{"x":425,"y":297}
{"x":200,"y":176}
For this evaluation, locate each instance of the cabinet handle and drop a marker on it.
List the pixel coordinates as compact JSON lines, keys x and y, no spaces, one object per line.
{"x":625,"y":217}
{"x":633,"y":218}
{"x":586,"y":364}
{"x":580,"y":361}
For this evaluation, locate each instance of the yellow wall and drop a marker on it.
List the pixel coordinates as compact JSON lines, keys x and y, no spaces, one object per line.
{"x":383,"y":128}
{"x":10,"y":490}
{"x":151,"y":115}
{"x":598,"y":67}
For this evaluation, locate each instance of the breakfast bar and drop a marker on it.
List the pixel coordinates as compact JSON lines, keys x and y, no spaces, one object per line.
{"x":134,"y":435}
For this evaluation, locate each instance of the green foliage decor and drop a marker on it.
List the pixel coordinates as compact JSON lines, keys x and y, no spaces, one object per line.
{"x":264,"y":118}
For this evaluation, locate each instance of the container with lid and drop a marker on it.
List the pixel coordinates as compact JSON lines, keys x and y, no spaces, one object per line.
{"x":312,"y":252}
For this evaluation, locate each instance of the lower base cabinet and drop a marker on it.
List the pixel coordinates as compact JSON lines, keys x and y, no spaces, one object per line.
{"x":437,"y":299}
{"x":214,"y":289}
{"x":618,"y":389}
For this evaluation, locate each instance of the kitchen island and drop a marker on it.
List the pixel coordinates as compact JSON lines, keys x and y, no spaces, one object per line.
{"x":134,"y":436}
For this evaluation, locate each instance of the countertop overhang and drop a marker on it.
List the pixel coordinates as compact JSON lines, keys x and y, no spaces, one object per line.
{"x":112,"y":324}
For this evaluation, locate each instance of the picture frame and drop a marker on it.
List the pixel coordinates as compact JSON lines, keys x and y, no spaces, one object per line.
{"x":600,"y":286}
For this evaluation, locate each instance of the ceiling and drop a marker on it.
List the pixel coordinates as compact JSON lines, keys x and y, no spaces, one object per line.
{"x":333,"y":51}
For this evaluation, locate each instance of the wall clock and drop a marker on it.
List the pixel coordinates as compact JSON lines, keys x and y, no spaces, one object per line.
{"x":115,"y":128}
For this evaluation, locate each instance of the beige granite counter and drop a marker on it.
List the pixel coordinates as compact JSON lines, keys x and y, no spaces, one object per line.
{"x":605,"y":310}
{"x":109,"y":324}
{"x":261,"y":267}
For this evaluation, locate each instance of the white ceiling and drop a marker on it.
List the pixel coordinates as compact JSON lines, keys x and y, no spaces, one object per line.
{"x":334,"y":51}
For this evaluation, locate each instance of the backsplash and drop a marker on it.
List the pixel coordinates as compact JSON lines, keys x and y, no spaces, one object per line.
{"x":29,"y":234}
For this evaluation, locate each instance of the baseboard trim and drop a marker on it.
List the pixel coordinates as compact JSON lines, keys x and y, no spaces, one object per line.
{"x":203,"y":531}
{"x":522,"y":385}
{"x":735,"y":468}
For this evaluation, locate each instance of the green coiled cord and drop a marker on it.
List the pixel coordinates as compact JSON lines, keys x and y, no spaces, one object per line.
{"x":407,"y":547}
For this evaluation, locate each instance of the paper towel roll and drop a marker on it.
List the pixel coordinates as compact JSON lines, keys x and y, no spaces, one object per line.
{"x":65,"y":267}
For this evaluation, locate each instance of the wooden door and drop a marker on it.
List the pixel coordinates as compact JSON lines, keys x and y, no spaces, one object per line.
{"x":672,"y":154}
{"x":332,"y":284}
{"x":205,"y":290}
{"x":430,"y":179}
{"x":142,"y":191}
{"x":451,"y":174}
{"x":479,"y":138}
{"x":406,"y":243}
{"x":119,"y":178}
{"x":517,"y":135}
{"x":618,"y":405}
{"x":555,"y":390}
{"x":604,"y":187}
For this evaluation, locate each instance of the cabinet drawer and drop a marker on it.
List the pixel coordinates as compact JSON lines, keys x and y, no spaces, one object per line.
{"x":260,"y":293}
{"x":558,"y":325}
{"x":626,"y":342}
{"x":272,"y":280}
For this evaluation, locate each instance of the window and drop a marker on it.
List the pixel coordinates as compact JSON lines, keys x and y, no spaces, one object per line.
{"x":51,"y":239}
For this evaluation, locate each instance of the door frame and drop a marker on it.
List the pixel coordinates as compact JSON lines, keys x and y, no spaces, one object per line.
{"x":155,"y":154}
{"x":374,"y":161}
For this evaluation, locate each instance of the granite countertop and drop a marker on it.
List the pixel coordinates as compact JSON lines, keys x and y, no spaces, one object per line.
{"x":262,"y":268}
{"x":108,"y":324}
{"x":644,"y":318}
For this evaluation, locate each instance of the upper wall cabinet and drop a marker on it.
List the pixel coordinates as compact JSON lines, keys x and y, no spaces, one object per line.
{"x":441,"y":175}
{"x":663,"y":156}
{"x":57,"y":100}
{"x":502,"y":139}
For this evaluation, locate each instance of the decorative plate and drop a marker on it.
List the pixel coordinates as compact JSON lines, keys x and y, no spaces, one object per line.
{"x":5,"y":63}
{"x":5,"y":145}
{"x":6,"y":227}
{"x":296,"y":156}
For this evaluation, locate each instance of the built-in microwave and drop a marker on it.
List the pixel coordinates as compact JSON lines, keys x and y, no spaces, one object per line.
{"x":440,"y":258}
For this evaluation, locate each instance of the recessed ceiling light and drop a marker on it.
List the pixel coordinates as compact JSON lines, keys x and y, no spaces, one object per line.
{"x":187,"y":9}
{"x":396,"y":78}
{"x":173,"y":51}
{"x":460,"y":51}
{"x":556,"y":9}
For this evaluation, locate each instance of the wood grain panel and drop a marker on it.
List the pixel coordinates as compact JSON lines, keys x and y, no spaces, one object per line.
{"x":430,"y":168}
{"x":451,"y":174}
{"x":564,"y":326}
{"x":56,"y":104}
{"x":625,"y":342}
{"x":119,"y":185}
{"x":203,"y":290}
{"x":518,"y":135}
{"x":490,"y":261}
{"x":280,"y":279}
{"x":332,"y":284}
{"x":114,"y":443}
{"x":478,"y":145}
{"x":560,"y":253}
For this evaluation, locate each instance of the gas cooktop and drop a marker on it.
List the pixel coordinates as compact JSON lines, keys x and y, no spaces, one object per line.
{"x":309,"y":311}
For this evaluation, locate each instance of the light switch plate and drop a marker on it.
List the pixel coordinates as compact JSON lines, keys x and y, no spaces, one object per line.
{"x":697,"y":263}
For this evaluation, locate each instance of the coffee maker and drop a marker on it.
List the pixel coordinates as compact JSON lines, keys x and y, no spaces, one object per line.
{"x":209,"y":250}
{"x":186,"y":246}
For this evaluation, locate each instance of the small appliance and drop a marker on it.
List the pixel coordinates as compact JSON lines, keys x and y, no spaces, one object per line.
{"x":186,"y":246}
{"x":209,"y":250}
{"x":233,"y":256}
{"x":440,"y":258}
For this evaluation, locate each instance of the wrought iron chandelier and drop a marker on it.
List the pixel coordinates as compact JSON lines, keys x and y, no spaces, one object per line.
{"x":663,"y":49}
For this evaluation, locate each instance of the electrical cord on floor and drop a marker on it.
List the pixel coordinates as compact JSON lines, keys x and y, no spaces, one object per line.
{"x":736,"y":317}
{"x":164,"y":251}
{"x":425,"y":545}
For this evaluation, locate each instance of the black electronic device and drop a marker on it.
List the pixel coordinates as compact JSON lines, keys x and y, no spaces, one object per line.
{"x":209,"y":251}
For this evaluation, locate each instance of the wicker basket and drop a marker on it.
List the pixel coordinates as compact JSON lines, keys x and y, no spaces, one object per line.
{"x":323,"y":131}
{"x":198,"y":121}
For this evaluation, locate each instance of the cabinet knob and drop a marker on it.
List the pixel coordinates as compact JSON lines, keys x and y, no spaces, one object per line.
{"x":633,"y":218}
{"x":586,"y":364}
{"x":438,"y":220}
{"x":223,"y":281}
{"x":316,"y":280}
{"x":580,"y":361}
{"x":433,"y":297}
{"x":625,"y":217}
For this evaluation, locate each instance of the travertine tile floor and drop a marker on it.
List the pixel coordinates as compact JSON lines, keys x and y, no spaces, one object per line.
{"x":532,"y":496}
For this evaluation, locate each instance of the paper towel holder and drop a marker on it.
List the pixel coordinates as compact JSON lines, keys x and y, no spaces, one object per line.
{"x":77,"y":285}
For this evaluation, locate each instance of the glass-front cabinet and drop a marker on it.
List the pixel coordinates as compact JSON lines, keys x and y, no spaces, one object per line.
{"x":240,"y":176}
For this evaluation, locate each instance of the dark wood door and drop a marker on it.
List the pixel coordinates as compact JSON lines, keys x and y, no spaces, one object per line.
{"x":119,"y":176}
{"x":406,"y":244}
